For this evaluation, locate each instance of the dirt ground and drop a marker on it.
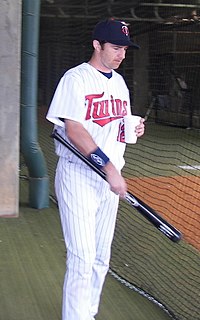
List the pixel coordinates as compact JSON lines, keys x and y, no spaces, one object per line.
{"x":175,"y":198}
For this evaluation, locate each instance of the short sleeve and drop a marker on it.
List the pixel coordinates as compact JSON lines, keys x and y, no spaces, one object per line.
{"x":68,"y":101}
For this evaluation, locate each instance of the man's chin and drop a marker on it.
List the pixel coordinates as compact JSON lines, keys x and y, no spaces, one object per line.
{"x":116,"y":65}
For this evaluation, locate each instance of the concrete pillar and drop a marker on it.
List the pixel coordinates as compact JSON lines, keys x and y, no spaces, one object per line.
{"x":10,"y":52}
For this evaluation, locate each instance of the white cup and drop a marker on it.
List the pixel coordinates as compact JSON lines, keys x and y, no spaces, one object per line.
{"x":130,"y":123}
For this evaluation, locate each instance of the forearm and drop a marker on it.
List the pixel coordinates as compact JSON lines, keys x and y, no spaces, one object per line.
{"x":80,"y":137}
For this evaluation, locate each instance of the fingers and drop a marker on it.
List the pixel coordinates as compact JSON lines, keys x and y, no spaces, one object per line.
{"x":121,"y":193}
{"x":119,"y":186}
{"x":116,"y":181}
{"x":140,"y":128}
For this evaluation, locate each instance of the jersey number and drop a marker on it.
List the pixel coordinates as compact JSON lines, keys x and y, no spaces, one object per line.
{"x":121,"y":135}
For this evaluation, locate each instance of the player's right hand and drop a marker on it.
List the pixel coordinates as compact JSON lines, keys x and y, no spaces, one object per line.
{"x":116,"y":181}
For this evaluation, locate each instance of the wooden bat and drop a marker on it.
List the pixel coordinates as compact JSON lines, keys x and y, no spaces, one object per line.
{"x":157,"y":221}
{"x":149,"y":109}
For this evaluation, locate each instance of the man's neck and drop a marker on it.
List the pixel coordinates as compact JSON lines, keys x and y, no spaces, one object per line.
{"x":99,"y":66}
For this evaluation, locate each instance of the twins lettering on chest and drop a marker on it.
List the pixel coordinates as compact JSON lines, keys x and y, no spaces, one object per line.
{"x":103,"y":111}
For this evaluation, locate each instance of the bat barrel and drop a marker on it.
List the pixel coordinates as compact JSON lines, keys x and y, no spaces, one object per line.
{"x":156,"y":219}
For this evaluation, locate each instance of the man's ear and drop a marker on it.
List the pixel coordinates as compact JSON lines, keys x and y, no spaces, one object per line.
{"x":96,"y":45}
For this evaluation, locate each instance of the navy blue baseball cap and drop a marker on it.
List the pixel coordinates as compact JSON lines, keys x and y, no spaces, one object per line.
{"x":113,"y":31}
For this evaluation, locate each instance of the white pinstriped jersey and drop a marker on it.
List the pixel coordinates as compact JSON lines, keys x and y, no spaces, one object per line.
{"x":85,"y":95}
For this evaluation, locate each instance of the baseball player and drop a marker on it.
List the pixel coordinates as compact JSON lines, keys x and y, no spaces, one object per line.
{"x":87,"y":109}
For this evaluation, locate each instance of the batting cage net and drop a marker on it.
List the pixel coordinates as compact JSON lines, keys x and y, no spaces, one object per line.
{"x":163,"y":168}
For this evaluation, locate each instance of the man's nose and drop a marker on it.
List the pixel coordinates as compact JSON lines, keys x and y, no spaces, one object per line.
{"x":122,"y":53}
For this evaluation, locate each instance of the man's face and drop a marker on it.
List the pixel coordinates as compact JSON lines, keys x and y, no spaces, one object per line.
{"x":112,"y":55}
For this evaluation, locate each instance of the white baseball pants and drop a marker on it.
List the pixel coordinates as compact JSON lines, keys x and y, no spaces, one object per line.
{"x":88,"y":214}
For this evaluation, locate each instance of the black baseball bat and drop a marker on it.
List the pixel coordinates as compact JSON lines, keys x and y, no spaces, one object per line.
{"x":150,"y":214}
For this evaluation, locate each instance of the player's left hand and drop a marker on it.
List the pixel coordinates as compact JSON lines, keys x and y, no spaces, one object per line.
{"x":140,"y":128}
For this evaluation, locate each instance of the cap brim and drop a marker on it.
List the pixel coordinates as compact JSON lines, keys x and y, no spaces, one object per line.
{"x":124,"y":43}
{"x":134,"y":45}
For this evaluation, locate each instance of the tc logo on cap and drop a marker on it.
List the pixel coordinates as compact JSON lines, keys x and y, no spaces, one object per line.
{"x":125,"y":30}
